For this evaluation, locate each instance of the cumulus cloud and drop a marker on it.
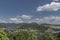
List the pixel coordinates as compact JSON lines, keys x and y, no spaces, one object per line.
{"x":15,"y":20}
{"x":19,"y":19}
{"x":3,"y":21}
{"x":53,"y":6}
{"x":51,"y":19}
{"x":26,"y":17}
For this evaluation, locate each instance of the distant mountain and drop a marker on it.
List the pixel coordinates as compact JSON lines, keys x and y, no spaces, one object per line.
{"x":23,"y":26}
{"x":51,"y":24}
{"x":39,"y":27}
{"x":9,"y":25}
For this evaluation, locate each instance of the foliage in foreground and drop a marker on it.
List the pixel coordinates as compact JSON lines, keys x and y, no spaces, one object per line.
{"x":3,"y":35}
{"x":26,"y":34}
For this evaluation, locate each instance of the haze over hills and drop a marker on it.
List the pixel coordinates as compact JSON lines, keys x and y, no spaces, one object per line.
{"x":43,"y":26}
{"x":7,"y":25}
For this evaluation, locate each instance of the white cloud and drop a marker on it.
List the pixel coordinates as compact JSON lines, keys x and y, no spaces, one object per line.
{"x":15,"y":20}
{"x":26,"y":17}
{"x":53,"y":6}
{"x":3,"y":20}
{"x":51,"y":19}
{"x":20,"y":19}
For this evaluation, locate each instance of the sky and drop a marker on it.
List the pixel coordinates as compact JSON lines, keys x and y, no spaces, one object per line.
{"x":27,"y":11}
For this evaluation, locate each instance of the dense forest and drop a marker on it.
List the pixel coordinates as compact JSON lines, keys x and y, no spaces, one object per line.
{"x":29,"y":31}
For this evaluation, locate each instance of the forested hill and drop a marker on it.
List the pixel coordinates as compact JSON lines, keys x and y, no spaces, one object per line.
{"x":10,"y":26}
{"x":27,"y":26}
{"x":20,"y":25}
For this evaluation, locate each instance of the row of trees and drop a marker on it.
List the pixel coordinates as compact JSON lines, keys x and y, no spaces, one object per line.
{"x":25,"y":34}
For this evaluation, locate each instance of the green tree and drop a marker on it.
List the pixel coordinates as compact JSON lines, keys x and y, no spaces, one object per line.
{"x":3,"y":35}
{"x":24,"y":34}
{"x":49,"y":36}
{"x":58,"y":36}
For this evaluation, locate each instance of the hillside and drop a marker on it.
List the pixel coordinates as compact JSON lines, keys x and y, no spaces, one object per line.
{"x":40,"y":27}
